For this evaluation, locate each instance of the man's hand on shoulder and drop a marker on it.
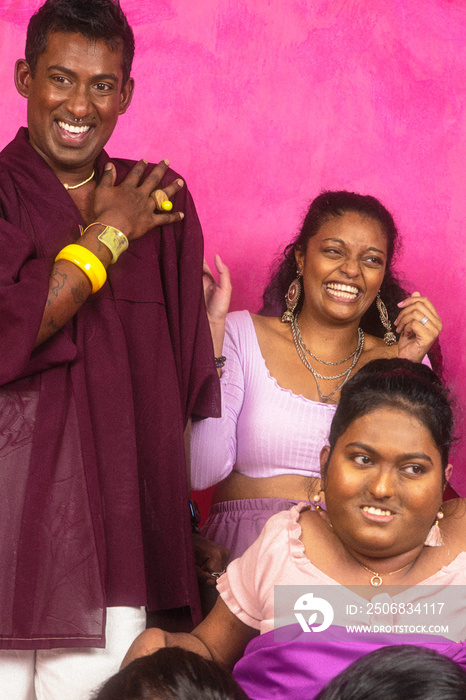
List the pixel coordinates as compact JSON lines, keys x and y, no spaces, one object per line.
{"x":129,"y":206}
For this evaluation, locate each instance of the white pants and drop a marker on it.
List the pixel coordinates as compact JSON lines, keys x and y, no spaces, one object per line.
{"x":69,"y":674}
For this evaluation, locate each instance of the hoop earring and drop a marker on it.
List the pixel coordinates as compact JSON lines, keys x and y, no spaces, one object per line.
{"x":434,"y":537}
{"x":292,"y":297}
{"x":389,"y":337}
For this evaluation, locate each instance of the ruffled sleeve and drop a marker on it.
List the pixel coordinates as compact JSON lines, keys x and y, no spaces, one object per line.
{"x":247,"y":586}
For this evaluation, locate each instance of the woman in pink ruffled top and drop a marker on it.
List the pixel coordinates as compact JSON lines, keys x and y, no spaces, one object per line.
{"x":385,"y":539}
{"x":281,"y":381}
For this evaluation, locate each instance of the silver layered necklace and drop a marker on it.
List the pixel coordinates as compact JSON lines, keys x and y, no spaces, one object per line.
{"x":302,"y":349}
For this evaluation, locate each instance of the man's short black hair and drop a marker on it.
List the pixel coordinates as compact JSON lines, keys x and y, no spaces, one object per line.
{"x":95,"y":19}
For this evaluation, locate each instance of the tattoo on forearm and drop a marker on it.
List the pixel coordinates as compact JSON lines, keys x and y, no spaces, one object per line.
{"x":80,"y":293}
{"x":58,"y":281}
{"x":52,"y":325}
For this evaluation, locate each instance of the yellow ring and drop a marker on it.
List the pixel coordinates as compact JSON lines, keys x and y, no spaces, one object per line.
{"x":161,"y":200}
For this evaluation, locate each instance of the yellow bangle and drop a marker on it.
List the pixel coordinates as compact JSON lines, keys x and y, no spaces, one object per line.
{"x":87,"y":262}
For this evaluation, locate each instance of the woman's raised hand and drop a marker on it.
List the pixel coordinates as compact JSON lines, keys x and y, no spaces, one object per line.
{"x":217,"y":297}
{"x":418,"y":325}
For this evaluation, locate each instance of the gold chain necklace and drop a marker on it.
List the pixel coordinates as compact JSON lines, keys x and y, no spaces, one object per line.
{"x":376,"y":579}
{"x":80,"y":184}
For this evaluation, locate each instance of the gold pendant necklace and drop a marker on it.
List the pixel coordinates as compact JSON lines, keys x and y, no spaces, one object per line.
{"x":80,"y":184}
{"x":376,"y":579}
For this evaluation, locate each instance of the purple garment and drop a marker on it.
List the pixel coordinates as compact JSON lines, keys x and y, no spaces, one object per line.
{"x":92,"y":466}
{"x":237,"y":524}
{"x":265,"y":430}
{"x":297,"y":669}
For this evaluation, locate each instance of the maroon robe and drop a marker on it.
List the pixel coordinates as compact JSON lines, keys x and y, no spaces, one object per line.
{"x":94,"y":494}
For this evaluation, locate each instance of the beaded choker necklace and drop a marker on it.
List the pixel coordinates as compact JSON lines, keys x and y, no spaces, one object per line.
{"x":302,"y":349}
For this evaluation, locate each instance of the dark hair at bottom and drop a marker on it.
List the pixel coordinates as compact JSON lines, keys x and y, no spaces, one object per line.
{"x":397,"y":383}
{"x":171,"y":673}
{"x":403,"y":672}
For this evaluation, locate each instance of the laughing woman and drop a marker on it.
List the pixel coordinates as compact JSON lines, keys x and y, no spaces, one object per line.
{"x":283,"y":374}
{"x":383,"y":475}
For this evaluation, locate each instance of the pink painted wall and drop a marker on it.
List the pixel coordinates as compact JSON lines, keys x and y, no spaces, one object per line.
{"x":262,"y":103}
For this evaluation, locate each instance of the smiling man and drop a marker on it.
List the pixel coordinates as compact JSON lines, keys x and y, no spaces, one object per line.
{"x":106,"y":352}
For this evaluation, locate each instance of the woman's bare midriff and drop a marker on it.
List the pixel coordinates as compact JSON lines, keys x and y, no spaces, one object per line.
{"x":290,"y":486}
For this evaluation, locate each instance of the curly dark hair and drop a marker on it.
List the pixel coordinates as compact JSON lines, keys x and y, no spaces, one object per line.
{"x":95,"y":19}
{"x":324,"y":207}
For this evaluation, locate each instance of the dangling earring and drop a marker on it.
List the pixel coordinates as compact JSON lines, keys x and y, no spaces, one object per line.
{"x":434,"y":537}
{"x":389,"y":337}
{"x":318,"y":499}
{"x":292,"y":297}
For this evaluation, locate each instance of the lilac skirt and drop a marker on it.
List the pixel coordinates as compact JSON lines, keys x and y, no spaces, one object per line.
{"x":237,"y":524}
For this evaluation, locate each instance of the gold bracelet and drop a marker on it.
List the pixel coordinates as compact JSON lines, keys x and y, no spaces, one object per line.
{"x":87,"y":262}
{"x":111,"y":237}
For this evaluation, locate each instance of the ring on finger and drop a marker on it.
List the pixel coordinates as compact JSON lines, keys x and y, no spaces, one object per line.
{"x":161,"y":200}
{"x":424,"y":320}
{"x":217,"y":574}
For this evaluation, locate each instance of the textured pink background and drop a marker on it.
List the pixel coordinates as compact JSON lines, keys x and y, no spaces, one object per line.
{"x":262,"y":103}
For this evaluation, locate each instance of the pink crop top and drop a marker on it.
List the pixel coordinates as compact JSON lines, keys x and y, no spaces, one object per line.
{"x":264,"y":430}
